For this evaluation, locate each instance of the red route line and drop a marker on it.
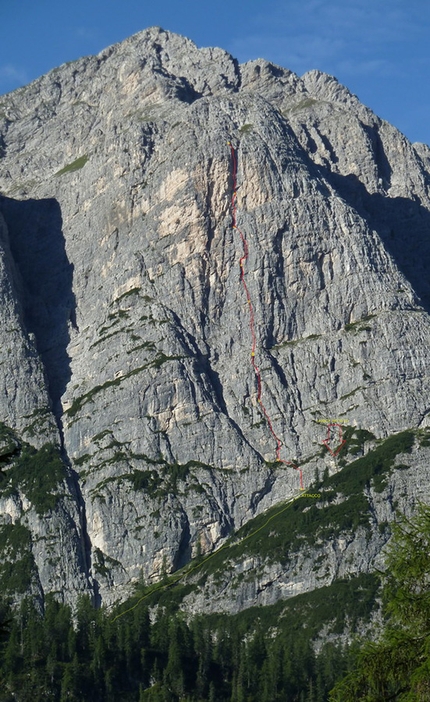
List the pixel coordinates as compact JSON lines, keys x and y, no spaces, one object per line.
{"x":257,"y":373}
{"x":328,"y":438}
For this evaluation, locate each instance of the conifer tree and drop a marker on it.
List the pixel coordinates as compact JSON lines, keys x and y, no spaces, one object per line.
{"x":397,"y":667}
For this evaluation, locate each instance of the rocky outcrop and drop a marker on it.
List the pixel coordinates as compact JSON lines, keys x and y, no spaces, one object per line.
{"x":336,"y":548}
{"x":122,"y":282}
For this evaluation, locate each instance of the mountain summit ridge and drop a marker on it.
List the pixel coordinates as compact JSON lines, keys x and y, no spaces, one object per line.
{"x":125,"y":329}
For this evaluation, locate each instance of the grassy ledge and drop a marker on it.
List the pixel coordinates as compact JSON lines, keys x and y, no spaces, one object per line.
{"x":74,"y":166}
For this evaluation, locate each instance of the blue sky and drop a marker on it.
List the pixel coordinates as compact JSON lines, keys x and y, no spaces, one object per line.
{"x":380,"y":49}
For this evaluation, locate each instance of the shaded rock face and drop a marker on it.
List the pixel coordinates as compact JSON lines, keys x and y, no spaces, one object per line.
{"x":125,"y":327}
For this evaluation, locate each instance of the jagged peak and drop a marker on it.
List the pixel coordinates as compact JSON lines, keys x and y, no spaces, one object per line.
{"x":327,"y":87}
{"x":263,"y":67}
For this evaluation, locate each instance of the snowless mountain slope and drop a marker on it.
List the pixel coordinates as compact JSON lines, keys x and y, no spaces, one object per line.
{"x":126,"y":329}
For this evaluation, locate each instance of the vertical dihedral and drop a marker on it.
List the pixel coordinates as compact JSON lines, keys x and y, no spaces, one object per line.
{"x":38,"y":499}
{"x":38,"y":248}
{"x":23,"y":391}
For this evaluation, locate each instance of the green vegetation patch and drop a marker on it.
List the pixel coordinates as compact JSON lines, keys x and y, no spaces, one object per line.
{"x":103,"y":563}
{"x":41,"y":419}
{"x":266,"y":653}
{"x":423,"y":436}
{"x":129,"y":293}
{"x":121,"y":314}
{"x":168,"y":656}
{"x":395,"y":666}
{"x":350,"y":394}
{"x":74,"y":166}
{"x":302,"y":105}
{"x":159,"y":480}
{"x":147,"y":480}
{"x":79,"y":402}
{"x":37,"y":474}
{"x":161,"y":358}
{"x":355,"y":440}
{"x":17,"y":563}
{"x":155,"y":483}
{"x":355,"y":326}
{"x":147,"y":345}
{"x":280,"y":533}
{"x":168,"y":593}
{"x":344,"y":603}
{"x":372,"y":469}
{"x":9,"y":444}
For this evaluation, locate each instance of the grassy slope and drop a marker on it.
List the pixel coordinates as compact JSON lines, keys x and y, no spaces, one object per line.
{"x":286,"y":528}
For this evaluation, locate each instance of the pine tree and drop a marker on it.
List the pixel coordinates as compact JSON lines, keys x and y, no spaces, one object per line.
{"x":70,"y":684}
{"x":4,"y":627}
{"x":397,"y":667}
{"x":174,"y":674}
{"x":204,"y":650}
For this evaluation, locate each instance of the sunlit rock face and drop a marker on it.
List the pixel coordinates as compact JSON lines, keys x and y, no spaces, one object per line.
{"x":125,"y":327}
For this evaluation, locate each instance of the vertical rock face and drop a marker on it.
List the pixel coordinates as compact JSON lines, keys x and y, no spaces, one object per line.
{"x":24,"y":393}
{"x":124,"y":322}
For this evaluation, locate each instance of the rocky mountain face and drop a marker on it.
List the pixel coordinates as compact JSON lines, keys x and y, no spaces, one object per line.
{"x":127,"y":391}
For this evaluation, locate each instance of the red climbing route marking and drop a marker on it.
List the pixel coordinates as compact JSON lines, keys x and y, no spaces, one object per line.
{"x":334,"y":438}
{"x":242,"y":262}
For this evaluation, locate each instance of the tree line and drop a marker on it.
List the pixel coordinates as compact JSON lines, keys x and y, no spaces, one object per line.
{"x":155,"y":654}
{"x":51,"y":657}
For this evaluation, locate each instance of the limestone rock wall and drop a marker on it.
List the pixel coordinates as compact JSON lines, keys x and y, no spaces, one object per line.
{"x":121,"y":280}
